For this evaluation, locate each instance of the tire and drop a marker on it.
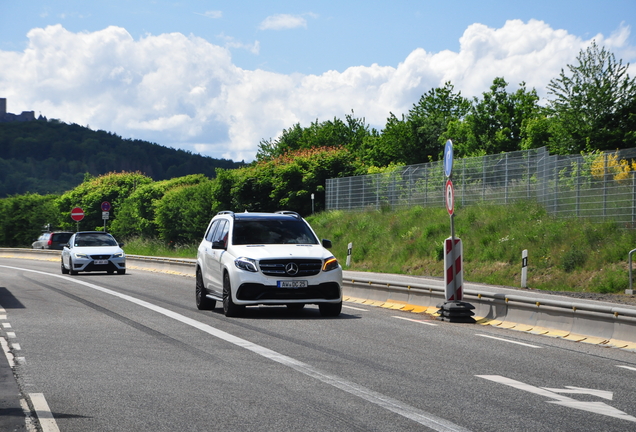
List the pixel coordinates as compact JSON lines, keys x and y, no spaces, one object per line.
{"x":64,"y":269}
{"x":203,"y":303}
{"x":70,"y":268}
{"x":121,"y":272}
{"x":229,"y":308}
{"x":330,"y":309}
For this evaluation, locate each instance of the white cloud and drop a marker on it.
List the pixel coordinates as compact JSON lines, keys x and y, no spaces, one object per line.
{"x":231,"y":42}
{"x":185,"y":92}
{"x":214,"y":14}
{"x":282,"y":22}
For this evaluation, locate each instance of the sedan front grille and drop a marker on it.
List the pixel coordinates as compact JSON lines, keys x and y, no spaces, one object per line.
{"x":287,"y":267}
{"x":100,"y":257}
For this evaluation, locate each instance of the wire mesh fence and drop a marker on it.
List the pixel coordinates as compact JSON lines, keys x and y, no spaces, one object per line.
{"x":600,"y":185}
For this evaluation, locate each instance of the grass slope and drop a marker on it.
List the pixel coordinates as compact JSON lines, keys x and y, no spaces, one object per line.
{"x":564,"y":254}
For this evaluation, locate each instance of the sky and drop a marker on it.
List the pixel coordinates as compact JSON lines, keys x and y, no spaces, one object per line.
{"x":218,"y":77}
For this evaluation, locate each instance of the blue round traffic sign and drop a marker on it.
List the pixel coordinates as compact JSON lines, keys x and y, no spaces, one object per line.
{"x":105,"y":206}
{"x":448,"y":158}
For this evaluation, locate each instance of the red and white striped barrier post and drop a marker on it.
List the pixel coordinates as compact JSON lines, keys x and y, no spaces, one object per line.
{"x":454,"y":271}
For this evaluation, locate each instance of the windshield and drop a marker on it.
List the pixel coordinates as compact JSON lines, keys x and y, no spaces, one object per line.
{"x":272,"y":232}
{"x":94,"y":239}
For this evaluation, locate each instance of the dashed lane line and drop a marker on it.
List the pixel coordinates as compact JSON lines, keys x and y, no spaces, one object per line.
{"x":508,"y":340}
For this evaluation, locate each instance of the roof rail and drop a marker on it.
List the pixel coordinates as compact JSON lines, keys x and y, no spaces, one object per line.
{"x":228,"y":212}
{"x":289,"y":212}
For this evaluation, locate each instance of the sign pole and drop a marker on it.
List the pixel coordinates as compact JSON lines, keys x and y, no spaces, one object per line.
{"x":453,"y":309}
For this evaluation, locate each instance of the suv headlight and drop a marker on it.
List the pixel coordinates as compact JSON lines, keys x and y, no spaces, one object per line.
{"x":331,"y":263}
{"x":247,"y":264}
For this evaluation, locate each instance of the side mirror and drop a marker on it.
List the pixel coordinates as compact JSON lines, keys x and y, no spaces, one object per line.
{"x":218,"y":244}
{"x":326,"y":244}
{"x":121,"y":244}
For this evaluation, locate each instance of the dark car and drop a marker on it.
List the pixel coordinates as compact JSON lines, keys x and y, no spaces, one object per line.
{"x":52,"y":240}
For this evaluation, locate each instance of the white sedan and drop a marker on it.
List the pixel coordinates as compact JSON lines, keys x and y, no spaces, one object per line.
{"x":89,"y":251}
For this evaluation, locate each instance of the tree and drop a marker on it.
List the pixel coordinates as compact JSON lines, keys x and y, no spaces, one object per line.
{"x":335,"y":133}
{"x":112,"y":187}
{"x":430,"y":118}
{"x":136,"y":215}
{"x":497,"y":121}
{"x":22,"y":218}
{"x":594,"y":104}
{"x":418,"y":136}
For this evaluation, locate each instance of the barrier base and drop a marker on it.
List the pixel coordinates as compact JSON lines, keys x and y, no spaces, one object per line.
{"x":456,"y":311}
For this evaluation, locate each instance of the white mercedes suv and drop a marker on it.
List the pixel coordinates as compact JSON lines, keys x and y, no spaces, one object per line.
{"x":267,"y":259}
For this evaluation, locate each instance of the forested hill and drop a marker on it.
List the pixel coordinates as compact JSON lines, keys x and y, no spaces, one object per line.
{"x":53,"y":157}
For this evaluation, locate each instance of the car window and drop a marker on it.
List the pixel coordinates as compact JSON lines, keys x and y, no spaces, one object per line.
{"x":94,"y":239}
{"x":272,"y":232}
{"x":61,"y":237}
{"x":221,"y":232}
{"x":210,"y":234}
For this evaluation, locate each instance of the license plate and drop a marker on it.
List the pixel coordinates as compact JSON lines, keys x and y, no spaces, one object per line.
{"x":293,"y":284}
{"x":100,"y":262}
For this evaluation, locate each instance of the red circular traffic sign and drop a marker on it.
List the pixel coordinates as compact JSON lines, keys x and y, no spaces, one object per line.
{"x":105,"y":206}
{"x":450,"y":197}
{"x":77,"y":214}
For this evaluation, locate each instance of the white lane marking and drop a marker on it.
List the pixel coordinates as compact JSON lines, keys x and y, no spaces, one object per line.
{"x":422,"y":417}
{"x":16,"y":346}
{"x":6,"y":325}
{"x":11,"y":335}
{"x":557,"y":399}
{"x":7,"y":352}
{"x":509,"y":341}
{"x":604,"y":394}
{"x":416,"y":321}
{"x":355,"y":308}
{"x":42,"y":410}
{"x":627,"y":367}
{"x":3,"y":317}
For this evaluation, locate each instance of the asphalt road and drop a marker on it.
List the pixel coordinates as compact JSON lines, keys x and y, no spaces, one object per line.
{"x":132,"y":352}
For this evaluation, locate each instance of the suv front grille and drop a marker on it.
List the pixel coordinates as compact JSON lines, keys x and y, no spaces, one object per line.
{"x":284,"y":267}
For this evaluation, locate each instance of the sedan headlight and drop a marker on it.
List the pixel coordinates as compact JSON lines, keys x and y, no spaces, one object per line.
{"x":247,"y":264}
{"x":81,"y":255}
{"x":118,"y":255}
{"x":330,"y":264}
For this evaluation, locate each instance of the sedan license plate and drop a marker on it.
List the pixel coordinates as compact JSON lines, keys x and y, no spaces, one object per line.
{"x":100,"y":262}
{"x":293,"y":284}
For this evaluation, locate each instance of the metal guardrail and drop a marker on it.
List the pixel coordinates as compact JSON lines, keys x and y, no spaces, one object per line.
{"x":538,"y":301}
{"x":588,"y":321}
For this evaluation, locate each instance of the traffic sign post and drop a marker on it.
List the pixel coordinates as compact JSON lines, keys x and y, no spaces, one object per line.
{"x":77,"y":214}
{"x":453,"y":309}
{"x":105,"y":212}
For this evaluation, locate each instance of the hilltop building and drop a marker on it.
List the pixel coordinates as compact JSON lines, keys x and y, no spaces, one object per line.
{"x":6,"y":117}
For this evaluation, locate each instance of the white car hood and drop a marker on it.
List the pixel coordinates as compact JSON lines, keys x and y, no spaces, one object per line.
{"x":259,"y":252}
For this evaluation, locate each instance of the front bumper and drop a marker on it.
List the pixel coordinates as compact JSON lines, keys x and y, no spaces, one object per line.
{"x":114,"y":264}
{"x":259,"y":292}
